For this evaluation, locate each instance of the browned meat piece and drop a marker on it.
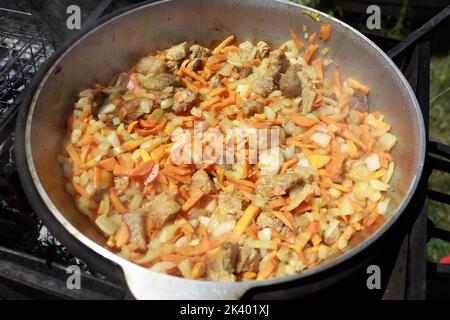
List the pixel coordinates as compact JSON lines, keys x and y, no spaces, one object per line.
{"x":250,"y":107}
{"x":98,"y":98}
{"x":122,"y":81}
{"x":359,"y":102}
{"x":222,"y":264}
{"x":248,"y":260}
{"x":151,"y":66}
{"x":127,"y":110}
{"x":245,"y":72}
{"x":177,"y":52}
{"x":230,"y":203}
{"x":183,"y":100}
{"x":290,"y":84}
{"x":202,"y":181}
{"x":135,"y":223}
{"x":163,"y":207}
{"x":195,"y":64}
{"x":276,"y":185}
{"x":267,"y":220}
{"x":263,"y":49}
{"x":266,"y":83}
{"x":214,"y":82}
{"x":159,"y":82}
{"x":197,"y":51}
{"x":278,"y":61}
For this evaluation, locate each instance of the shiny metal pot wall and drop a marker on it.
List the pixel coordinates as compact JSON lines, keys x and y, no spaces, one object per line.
{"x":115,"y":44}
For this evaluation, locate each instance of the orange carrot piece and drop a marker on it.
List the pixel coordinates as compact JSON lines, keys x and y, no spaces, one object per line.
{"x":142,"y":169}
{"x":198,"y":270}
{"x":310,"y":51}
{"x":78,"y":188}
{"x":325,"y":31}
{"x":202,"y":248}
{"x":116,"y":201}
{"x":318,"y":66}
{"x":303,"y":121}
{"x":277,"y":203}
{"x":312,"y":38}
{"x":195,"y":196}
{"x":280,"y":215}
{"x":223,"y":44}
{"x":131,"y":126}
{"x":288,"y":164}
{"x":270,"y":266}
{"x":74,"y":155}
{"x":194,"y":75}
{"x":122,"y":235}
{"x":218,"y":91}
{"x":108,"y":164}
{"x":303,"y":207}
{"x":298,"y":43}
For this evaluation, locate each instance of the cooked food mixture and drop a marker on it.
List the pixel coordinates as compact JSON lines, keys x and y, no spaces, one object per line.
{"x":299,"y":204}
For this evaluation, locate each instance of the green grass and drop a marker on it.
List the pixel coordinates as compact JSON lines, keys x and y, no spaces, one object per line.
{"x":440,"y":131}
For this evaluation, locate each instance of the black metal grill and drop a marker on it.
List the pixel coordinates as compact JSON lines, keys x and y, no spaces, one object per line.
{"x":28,"y":251}
{"x":23,"y":49}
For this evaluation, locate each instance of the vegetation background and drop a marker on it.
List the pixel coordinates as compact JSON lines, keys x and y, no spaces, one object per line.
{"x":398,"y":19}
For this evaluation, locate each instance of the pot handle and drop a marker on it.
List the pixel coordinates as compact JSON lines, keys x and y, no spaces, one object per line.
{"x":145,"y":284}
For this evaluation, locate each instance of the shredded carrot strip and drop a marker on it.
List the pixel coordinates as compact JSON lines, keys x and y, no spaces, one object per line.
{"x":298,"y":43}
{"x":288,"y":164}
{"x":325,"y":31}
{"x":282,"y":217}
{"x":191,"y":73}
{"x":223,"y":44}
{"x":195,"y":196}
{"x":116,"y":201}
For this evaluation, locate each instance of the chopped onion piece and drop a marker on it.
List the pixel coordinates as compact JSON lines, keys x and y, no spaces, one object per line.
{"x":163,"y":266}
{"x":383,"y":205}
{"x":322,"y":139}
{"x":265,"y":234}
{"x":223,"y":228}
{"x":373,"y":162}
{"x":379,"y":185}
{"x":387,"y":140}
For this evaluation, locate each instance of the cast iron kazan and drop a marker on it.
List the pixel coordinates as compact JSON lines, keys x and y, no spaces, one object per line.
{"x":114,"y":43}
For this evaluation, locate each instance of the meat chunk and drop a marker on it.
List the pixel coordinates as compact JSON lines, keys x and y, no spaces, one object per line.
{"x":266,"y":83}
{"x":276,"y":185}
{"x":230,"y":203}
{"x":195,"y":64}
{"x":122,"y":81}
{"x":214,"y":82}
{"x":151,"y":66}
{"x":183,"y":100}
{"x":267,"y":220}
{"x":162,"y":207}
{"x":250,"y":107}
{"x":177,"y":52}
{"x":359,"y":102}
{"x":248,"y":260}
{"x":197,"y":52}
{"x":290,"y":84}
{"x":135,"y":223}
{"x":159,"y":82}
{"x":263,"y":49}
{"x":278,"y":61}
{"x":98,"y":98}
{"x":222,"y":265}
{"x":202,"y":181}
{"x":244,"y":72}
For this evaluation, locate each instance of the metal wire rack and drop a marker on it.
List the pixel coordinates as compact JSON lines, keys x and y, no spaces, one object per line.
{"x":23,"y":49}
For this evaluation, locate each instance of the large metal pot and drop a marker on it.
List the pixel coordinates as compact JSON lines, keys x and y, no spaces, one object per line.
{"x":114,"y":43}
